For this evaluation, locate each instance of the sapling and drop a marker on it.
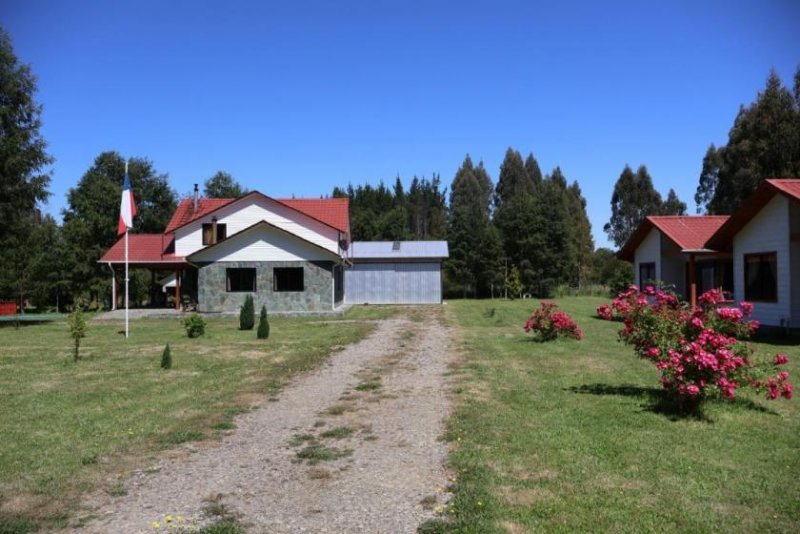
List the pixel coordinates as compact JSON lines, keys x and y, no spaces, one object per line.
{"x":247,"y":314}
{"x":77,"y":328}
{"x":166,"y":358}
{"x":263,"y":324}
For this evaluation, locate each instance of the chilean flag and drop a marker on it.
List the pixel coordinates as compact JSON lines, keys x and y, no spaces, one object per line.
{"x":127,"y":209}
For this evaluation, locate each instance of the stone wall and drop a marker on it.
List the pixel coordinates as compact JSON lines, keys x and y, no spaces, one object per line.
{"x":317,"y":282}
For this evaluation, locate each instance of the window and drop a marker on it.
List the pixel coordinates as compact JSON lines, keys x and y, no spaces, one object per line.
{"x":761,"y":277}
{"x":240,"y":280}
{"x":647,"y":272}
{"x":207,"y":233}
{"x":287,"y":279}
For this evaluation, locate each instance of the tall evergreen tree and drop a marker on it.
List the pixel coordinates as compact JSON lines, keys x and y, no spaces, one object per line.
{"x":634,"y":198}
{"x":513,"y":180}
{"x":764,"y":142}
{"x":673,"y":205}
{"x":532,"y":170}
{"x":223,"y":185}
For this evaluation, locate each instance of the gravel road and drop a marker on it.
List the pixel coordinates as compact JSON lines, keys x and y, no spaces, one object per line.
{"x":353,"y":446}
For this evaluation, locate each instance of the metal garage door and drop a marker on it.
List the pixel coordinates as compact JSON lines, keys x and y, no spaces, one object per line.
{"x":393,"y":283}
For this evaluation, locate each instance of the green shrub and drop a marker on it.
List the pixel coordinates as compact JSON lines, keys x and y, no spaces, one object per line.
{"x":263,"y":324}
{"x":247,"y":314}
{"x":195,"y":325}
{"x":77,"y":328}
{"x":166,"y":358}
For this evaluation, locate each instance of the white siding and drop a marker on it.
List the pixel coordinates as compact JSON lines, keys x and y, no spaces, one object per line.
{"x":794,"y":210}
{"x":673,"y":266}
{"x":393,"y":283}
{"x":648,"y":251}
{"x":241,"y":215}
{"x":263,"y":243}
{"x":768,"y":231}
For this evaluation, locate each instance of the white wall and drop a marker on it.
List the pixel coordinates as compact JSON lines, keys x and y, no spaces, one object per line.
{"x":264,"y":243}
{"x":648,"y":251}
{"x":794,"y":213}
{"x":242,"y":214}
{"x":768,"y":231}
{"x":673,"y":266}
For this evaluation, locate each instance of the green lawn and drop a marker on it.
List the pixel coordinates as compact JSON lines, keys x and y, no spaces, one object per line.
{"x":569,"y":436}
{"x":71,"y":427}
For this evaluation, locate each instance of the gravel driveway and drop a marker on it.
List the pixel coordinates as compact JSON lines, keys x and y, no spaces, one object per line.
{"x":353,"y":446}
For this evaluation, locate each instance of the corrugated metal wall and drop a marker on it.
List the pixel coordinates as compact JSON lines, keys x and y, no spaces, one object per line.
{"x":393,"y":283}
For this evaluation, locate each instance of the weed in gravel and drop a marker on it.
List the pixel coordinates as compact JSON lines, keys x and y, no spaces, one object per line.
{"x":181,"y":436}
{"x":117,"y":490}
{"x":318,"y":424}
{"x":434,"y":526}
{"x":370,"y":437}
{"x":336,"y":409}
{"x":299,"y":439}
{"x":319,"y":473}
{"x":428,"y":502}
{"x":372,"y":384}
{"x":226,"y":526}
{"x":338,"y":432}
{"x":316,"y":453}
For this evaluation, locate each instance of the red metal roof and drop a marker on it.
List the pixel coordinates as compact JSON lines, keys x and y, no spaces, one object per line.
{"x":689,"y":232}
{"x":788,"y":186}
{"x":334,"y":212}
{"x":143,"y":248}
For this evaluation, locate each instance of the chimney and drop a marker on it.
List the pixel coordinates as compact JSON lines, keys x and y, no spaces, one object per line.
{"x":196,"y":198}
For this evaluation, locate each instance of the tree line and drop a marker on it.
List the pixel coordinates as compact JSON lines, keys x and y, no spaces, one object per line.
{"x":529,"y":228}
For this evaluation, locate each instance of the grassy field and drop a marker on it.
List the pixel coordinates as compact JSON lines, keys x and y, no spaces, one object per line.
{"x":68,"y":428}
{"x":570,"y":436}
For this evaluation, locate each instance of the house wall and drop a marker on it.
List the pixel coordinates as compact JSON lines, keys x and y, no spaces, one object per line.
{"x":794,"y":216}
{"x":241,"y":215}
{"x":317,"y":279}
{"x":768,"y":231}
{"x":673,"y":266}
{"x":264,"y":244}
{"x":394,"y":283}
{"x":648,"y":251}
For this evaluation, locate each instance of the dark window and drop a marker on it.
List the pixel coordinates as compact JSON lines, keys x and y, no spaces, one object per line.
{"x":222,"y":230}
{"x":761,"y":277}
{"x":241,"y":280}
{"x":647,"y":272}
{"x":287,"y":279}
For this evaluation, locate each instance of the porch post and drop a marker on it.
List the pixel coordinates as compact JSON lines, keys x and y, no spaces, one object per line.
{"x":178,"y":275}
{"x":692,"y":281}
{"x":113,"y":287}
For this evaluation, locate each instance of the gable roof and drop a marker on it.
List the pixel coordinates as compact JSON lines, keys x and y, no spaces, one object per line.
{"x":143,"y":248}
{"x":259,"y":224}
{"x":398,"y":249}
{"x":689,"y":232}
{"x":333,"y":212}
{"x":723,"y":237}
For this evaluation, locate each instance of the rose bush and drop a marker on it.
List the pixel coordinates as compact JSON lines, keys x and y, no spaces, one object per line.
{"x":549,"y":324}
{"x":699,"y":352}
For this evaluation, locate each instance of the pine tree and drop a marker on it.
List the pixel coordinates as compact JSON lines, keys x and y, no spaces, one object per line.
{"x":513,"y":180}
{"x":247,"y":314}
{"x":166,"y":358}
{"x":673,"y":205}
{"x":263,"y":324}
{"x":634,"y":198}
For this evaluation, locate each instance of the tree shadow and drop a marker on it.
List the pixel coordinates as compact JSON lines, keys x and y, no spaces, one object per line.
{"x":666,"y":403}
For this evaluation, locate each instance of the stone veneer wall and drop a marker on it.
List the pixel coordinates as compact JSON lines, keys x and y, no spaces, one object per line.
{"x":317,"y":281}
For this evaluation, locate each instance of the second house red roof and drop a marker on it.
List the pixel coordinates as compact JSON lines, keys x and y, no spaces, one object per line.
{"x":689,"y":232}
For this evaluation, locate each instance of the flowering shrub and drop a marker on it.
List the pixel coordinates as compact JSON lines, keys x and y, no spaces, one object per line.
{"x":699,"y":352}
{"x":605,"y":312}
{"x":550,"y":324}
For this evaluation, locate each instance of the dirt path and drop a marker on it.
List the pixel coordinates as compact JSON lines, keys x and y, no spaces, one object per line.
{"x":382,"y":403}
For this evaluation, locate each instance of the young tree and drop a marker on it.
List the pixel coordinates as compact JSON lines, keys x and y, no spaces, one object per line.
{"x":77,"y":329}
{"x":634,"y":198}
{"x":263,"y":324}
{"x":166,"y":358}
{"x":223,"y":185}
{"x":247,"y":314}
{"x":764,"y":142}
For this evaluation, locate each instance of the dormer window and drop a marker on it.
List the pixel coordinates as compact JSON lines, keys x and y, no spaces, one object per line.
{"x":208,"y":233}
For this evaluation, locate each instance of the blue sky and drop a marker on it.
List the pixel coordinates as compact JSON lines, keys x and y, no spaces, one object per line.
{"x":293,"y":98}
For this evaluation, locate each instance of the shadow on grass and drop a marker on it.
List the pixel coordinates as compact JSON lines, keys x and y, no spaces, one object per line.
{"x":666,"y":403}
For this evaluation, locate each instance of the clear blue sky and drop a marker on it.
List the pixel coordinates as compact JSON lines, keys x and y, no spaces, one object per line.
{"x":297,"y":97}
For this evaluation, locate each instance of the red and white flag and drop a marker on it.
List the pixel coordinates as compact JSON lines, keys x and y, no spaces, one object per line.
{"x":127,"y":209}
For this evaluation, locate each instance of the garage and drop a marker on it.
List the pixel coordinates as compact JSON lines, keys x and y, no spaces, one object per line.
{"x":395,"y":272}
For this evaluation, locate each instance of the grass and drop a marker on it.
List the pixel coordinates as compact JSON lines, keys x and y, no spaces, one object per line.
{"x":316,"y":453}
{"x":574,"y":436}
{"x":68,"y":426}
{"x":339,"y":432}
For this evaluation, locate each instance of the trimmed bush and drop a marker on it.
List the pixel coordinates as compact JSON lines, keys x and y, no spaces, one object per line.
{"x":195,"y":325}
{"x":77,"y":328}
{"x":247,"y":314}
{"x":166,"y":358}
{"x":263,"y":324}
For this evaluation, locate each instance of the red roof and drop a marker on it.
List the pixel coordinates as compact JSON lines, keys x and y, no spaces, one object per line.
{"x":143,"y":248}
{"x":335,"y":212}
{"x":689,"y":232}
{"x":723,"y":238}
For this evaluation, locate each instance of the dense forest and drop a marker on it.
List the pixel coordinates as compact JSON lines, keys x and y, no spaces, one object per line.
{"x":526,"y":232}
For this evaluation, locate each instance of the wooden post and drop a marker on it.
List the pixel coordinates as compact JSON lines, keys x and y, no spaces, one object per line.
{"x":113,"y":287}
{"x":178,"y":274}
{"x":692,"y":281}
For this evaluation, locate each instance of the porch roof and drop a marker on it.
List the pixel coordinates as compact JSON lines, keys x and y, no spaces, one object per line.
{"x":689,"y":232}
{"x":144,"y":250}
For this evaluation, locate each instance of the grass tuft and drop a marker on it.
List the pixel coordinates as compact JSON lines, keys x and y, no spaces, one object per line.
{"x":338,"y":432}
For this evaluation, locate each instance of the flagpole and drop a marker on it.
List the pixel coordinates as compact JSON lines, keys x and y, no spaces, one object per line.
{"x":126,"y":269}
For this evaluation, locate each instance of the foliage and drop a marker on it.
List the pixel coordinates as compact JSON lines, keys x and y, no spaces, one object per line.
{"x":166,"y":358}
{"x":513,"y":283}
{"x":634,"y":198}
{"x":195,"y":325}
{"x":263,"y":324}
{"x":610,"y":271}
{"x":764,"y":142}
{"x":223,"y":185}
{"x":549,"y":324}
{"x":514,"y":180}
{"x":699,"y":352}
{"x":247,"y":314}
{"x":77,"y":329}
{"x":673,"y":205}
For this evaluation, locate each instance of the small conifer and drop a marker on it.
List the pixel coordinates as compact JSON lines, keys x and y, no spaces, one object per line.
{"x":247,"y":314}
{"x":166,"y":358}
{"x":263,"y":324}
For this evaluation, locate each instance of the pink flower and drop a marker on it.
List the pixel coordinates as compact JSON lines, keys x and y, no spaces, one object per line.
{"x":696,"y":322}
{"x":653,"y":352}
{"x":783,"y":376}
{"x":692,"y":390}
{"x":787,"y":391}
{"x":747,"y":308}
{"x":781,"y":359}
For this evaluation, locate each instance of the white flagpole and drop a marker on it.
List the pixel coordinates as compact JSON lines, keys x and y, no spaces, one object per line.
{"x":126,"y":269}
